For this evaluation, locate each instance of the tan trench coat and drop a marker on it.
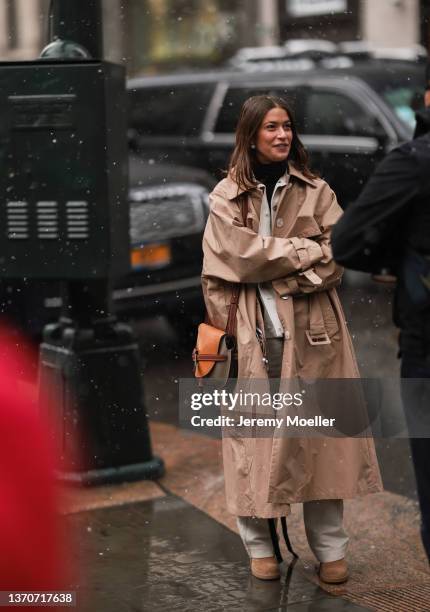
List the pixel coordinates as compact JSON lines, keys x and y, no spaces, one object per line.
{"x":264,"y":475}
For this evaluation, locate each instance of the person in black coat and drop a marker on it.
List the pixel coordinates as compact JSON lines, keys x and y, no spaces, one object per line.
{"x":389,"y":227}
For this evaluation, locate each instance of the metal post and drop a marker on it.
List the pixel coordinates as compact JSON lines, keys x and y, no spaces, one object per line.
{"x":89,"y":363}
{"x":79,"y":21}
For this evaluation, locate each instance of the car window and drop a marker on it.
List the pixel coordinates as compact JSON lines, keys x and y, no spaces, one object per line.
{"x":236,"y":96}
{"x":400,"y":87}
{"x":175,"y":110}
{"x":332,"y":113}
{"x":405,"y":101}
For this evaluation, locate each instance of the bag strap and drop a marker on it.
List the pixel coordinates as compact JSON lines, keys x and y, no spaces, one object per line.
{"x":275,"y":541}
{"x":234,"y":301}
{"x":286,"y":537}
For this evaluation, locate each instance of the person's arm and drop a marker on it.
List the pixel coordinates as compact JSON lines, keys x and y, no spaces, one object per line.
{"x":325,"y":273}
{"x":366,"y":237}
{"x":236,"y":254}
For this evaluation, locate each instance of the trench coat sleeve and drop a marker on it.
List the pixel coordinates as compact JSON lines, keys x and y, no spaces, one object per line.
{"x":325,"y":273}
{"x":236,"y":254}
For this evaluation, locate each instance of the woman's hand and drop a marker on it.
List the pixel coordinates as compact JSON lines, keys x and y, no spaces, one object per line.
{"x":324,"y":274}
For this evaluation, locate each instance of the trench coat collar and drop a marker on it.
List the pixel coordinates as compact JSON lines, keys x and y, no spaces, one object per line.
{"x":233,"y":190}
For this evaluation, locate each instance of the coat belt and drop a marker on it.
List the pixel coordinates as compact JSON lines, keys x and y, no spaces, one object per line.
{"x":317,"y":332}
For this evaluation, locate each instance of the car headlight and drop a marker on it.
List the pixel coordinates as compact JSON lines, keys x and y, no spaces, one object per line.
{"x":162,"y":212}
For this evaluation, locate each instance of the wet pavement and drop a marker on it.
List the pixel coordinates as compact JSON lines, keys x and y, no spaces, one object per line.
{"x":172,"y":545}
{"x":165,"y":555}
{"x":142,"y":545}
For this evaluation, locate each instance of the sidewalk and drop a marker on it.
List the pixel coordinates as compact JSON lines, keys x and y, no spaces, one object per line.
{"x":171,"y":545}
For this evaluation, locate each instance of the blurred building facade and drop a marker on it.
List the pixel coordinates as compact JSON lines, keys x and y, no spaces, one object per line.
{"x":382,"y":23}
{"x":391,"y":23}
{"x":163,"y":35}
{"x":23,"y":28}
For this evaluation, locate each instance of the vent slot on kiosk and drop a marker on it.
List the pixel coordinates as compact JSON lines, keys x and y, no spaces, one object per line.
{"x":78,"y":227}
{"x":47,"y":220}
{"x":17,"y":220}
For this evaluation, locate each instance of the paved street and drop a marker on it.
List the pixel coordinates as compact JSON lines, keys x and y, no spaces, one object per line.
{"x":164,"y":554}
{"x":171,"y":545}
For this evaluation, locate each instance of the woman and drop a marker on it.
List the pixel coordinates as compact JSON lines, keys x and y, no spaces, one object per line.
{"x":289,"y":324}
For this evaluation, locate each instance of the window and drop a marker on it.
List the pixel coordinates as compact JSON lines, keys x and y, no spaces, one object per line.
{"x":334,"y":114}
{"x":401,"y":87}
{"x":236,"y":96}
{"x":309,"y":8}
{"x":176,"y":110}
{"x":405,"y":101}
{"x":166,"y":34}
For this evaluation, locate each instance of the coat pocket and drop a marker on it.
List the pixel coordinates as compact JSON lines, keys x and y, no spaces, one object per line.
{"x":307,"y":227}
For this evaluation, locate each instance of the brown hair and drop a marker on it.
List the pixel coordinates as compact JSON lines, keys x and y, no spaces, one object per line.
{"x":253,"y":111}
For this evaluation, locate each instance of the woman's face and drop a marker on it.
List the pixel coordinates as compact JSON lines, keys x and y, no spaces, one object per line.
{"x":274,"y":137}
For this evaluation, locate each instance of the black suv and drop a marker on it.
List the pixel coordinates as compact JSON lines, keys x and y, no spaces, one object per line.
{"x":349,"y":113}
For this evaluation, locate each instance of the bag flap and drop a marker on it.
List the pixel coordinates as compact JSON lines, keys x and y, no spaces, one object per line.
{"x":208,"y":343}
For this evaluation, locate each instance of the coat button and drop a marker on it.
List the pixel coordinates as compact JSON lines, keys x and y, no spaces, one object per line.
{"x":287,"y":335}
{"x":285,"y":297}
{"x":279,"y":222}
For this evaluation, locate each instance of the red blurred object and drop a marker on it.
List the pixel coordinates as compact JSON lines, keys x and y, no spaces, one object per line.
{"x":31,"y":549}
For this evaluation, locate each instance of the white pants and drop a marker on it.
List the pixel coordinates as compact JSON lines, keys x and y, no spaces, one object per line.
{"x":323,"y":520}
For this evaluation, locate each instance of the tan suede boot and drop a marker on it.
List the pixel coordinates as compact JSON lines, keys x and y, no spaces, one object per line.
{"x":333,"y":572}
{"x":266,"y":568}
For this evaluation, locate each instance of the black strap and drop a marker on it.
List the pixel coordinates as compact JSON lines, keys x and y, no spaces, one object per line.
{"x":275,"y":543}
{"x":286,"y":583}
{"x":286,"y":537}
